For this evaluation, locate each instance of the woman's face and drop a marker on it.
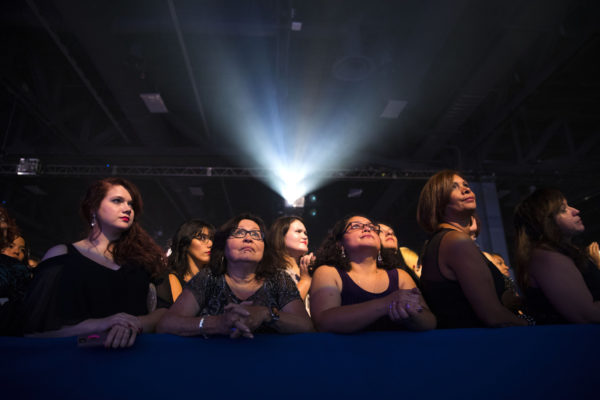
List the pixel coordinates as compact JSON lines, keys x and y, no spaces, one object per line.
{"x":199,"y":250}
{"x":296,"y":239}
{"x":246,"y":248}
{"x":462,"y":199}
{"x":360,"y":232}
{"x":16,"y":249}
{"x":388,"y":237}
{"x":116,"y":210}
{"x":568,"y":220}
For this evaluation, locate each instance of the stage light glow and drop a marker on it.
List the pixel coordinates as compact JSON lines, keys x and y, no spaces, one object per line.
{"x":296,"y":144}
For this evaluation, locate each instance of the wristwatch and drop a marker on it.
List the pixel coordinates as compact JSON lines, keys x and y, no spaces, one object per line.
{"x":274,"y":316}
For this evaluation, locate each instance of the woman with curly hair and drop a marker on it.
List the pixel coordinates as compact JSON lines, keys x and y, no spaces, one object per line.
{"x":351,"y":291}
{"x":463,"y":288}
{"x":561,"y":284}
{"x":243,"y":290}
{"x":104,"y":284}
{"x":190,"y":252}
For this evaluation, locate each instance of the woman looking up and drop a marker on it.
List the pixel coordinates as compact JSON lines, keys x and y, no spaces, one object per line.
{"x":391,"y":254}
{"x":289,"y":239}
{"x":243,"y":290}
{"x":351,"y":291}
{"x":104,"y":283}
{"x":463,"y":288}
{"x":560,"y":282}
{"x":190,"y":252}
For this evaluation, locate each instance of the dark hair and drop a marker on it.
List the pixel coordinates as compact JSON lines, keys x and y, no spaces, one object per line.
{"x":330,"y":251}
{"x":535,"y":227}
{"x":180,"y":243}
{"x":134,"y":247}
{"x":434,"y":198}
{"x":11,"y":232}
{"x":267,"y":267}
{"x":277,"y":232}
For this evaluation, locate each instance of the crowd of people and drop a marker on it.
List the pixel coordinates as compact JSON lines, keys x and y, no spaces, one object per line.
{"x":243,"y":278}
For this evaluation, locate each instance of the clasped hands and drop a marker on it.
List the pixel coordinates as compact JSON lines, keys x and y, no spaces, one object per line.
{"x":404,"y":304}
{"x":122,"y":329}
{"x":243,"y":319}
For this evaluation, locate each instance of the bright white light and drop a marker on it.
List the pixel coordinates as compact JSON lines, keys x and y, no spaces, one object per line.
{"x":297,"y":140}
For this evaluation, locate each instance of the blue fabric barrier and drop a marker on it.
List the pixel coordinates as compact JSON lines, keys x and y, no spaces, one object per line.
{"x":545,"y":362}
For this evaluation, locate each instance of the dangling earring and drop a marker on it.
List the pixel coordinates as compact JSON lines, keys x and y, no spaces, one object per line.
{"x":379,"y":258}
{"x":93,"y":223}
{"x":343,"y":253}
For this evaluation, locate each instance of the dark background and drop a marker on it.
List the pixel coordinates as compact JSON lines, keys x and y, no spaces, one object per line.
{"x":506,"y":91}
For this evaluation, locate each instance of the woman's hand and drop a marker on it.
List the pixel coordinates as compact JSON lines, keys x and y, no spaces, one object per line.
{"x":593,"y":251}
{"x":257,"y":315}
{"x":305,"y":262}
{"x":233,"y":321}
{"x":120,"y":319}
{"x":119,"y":337}
{"x":405,"y":304}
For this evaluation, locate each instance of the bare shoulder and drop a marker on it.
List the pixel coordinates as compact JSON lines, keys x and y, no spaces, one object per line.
{"x":325,"y":270}
{"x":55,"y":251}
{"x":404,"y":280}
{"x":543,"y":260}
{"x":326,"y":275}
{"x":455,"y":243}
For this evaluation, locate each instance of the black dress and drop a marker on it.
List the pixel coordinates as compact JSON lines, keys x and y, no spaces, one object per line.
{"x":445,"y":297}
{"x":71,"y":288}
{"x":540,"y":308}
{"x":14,"y":279}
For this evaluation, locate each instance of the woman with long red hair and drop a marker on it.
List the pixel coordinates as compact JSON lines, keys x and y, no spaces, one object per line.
{"x":104,"y":284}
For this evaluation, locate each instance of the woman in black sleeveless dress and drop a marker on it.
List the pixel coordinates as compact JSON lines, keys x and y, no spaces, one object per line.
{"x":460,"y":285}
{"x":561,"y":284}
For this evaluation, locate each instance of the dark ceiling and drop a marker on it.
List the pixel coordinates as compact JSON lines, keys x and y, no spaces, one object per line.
{"x":506,"y":91}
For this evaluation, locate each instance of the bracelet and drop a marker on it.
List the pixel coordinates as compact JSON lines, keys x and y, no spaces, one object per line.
{"x":530,"y":320}
{"x":201,"y":326}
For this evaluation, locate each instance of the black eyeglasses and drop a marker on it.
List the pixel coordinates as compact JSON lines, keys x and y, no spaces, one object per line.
{"x":353,"y":226}
{"x":202,"y":237}
{"x":241,"y":233}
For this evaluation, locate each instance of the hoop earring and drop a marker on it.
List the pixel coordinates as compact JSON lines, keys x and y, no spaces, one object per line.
{"x":379,"y":258}
{"x":93,"y":222}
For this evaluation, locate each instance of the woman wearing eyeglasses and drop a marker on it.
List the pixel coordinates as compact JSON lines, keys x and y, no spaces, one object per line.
{"x":244,"y":289}
{"x":352,"y":292}
{"x":190,"y":252}
{"x":463,"y":288}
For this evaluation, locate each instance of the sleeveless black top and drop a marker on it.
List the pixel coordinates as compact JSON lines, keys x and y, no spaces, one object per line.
{"x":540,"y":308}
{"x":354,"y":294}
{"x":445,"y":297}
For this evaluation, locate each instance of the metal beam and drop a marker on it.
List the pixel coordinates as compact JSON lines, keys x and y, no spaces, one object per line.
{"x":188,"y":65}
{"x":77,"y":69}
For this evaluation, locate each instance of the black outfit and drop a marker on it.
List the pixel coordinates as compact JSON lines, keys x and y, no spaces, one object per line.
{"x":71,"y":288}
{"x":212,"y":293}
{"x":353,"y":294}
{"x":540,"y":308}
{"x":445,"y":297}
{"x":14,"y":279}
